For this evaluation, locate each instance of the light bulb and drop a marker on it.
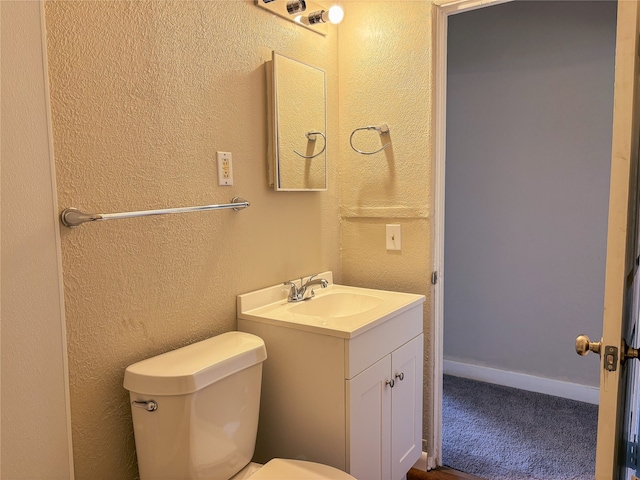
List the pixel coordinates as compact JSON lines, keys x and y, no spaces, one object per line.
{"x":336,"y":14}
{"x":301,"y":19}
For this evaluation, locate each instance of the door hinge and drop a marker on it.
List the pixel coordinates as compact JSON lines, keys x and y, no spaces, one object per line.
{"x":632,"y":455}
{"x":434,"y":278}
{"x":610,"y":358}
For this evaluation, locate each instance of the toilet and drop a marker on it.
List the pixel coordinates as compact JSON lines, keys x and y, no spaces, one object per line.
{"x":195,"y":414}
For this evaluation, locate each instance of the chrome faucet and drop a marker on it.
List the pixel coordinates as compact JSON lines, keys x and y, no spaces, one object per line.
{"x":297,"y":294}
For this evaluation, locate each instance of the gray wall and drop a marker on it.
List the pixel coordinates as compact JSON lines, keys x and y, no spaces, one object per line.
{"x":529,"y":115}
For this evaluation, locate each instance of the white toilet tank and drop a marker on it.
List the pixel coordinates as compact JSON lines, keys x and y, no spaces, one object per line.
{"x":195,"y":409}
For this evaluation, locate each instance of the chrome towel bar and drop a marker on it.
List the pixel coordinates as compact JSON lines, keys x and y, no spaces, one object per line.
{"x":72,"y":217}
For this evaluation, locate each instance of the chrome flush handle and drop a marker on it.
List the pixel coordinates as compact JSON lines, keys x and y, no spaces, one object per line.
{"x":149,"y":405}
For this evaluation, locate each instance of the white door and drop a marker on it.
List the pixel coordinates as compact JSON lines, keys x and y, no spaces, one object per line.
{"x":618,"y":386}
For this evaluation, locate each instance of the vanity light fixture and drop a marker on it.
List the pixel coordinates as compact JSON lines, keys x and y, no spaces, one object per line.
{"x":334,"y":15}
{"x":295,"y":11}
{"x":296,"y":6}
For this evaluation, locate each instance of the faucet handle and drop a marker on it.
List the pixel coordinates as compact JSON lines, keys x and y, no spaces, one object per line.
{"x":294,"y":293}
{"x":292,"y":284}
{"x":311,"y":277}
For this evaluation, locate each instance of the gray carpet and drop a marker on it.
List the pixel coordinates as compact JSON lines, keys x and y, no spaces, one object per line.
{"x":501,"y":433}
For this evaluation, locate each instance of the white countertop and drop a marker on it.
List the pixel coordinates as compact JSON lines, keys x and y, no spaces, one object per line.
{"x":349,"y":312}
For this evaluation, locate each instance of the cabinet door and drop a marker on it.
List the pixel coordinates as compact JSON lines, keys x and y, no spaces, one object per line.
{"x":406,"y":407}
{"x":369,"y":422}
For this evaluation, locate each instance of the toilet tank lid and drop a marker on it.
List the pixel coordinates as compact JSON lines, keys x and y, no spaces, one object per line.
{"x":188,"y":369}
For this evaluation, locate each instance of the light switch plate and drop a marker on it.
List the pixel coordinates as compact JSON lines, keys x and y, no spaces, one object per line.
{"x":394,"y":237}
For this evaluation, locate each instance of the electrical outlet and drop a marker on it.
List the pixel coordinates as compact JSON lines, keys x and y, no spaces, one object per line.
{"x":394,"y":240}
{"x":225,"y":168}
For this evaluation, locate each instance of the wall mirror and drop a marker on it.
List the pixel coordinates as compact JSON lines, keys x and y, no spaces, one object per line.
{"x":297,"y":111}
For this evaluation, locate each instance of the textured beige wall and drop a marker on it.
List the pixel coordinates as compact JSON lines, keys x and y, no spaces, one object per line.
{"x":386,"y":77}
{"x":143,"y":94}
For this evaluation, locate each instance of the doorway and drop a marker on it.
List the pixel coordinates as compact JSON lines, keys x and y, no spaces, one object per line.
{"x":528,"y":126}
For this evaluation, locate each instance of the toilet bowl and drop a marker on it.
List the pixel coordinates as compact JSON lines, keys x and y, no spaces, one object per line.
{"x":195,"y":414}
{"x":281,"y":469}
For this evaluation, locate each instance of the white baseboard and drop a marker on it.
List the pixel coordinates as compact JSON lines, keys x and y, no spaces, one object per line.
{"x":531,"y":383}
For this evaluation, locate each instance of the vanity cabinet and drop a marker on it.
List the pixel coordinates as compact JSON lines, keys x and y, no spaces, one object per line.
{"x":327,"y":396}
{"x":385,"y":413}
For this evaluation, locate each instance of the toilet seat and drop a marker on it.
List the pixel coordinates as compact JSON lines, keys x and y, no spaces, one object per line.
{"x":281,"y":469}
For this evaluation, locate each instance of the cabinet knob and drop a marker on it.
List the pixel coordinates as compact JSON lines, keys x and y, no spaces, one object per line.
{"x":391,"y":383}
{"x":400,"y":376}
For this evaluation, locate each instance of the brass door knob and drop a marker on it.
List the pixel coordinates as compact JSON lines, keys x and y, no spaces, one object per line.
{"x":630,"y":352}
{"x":584,"y":345}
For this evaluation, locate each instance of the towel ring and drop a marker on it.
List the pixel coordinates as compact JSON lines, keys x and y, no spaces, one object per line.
{"x":311,"y":136}
{"x":382,"y":130}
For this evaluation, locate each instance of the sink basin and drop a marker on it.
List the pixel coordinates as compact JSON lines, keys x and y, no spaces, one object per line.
{"x":336,"y":304}
{"x":337,"y":310}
